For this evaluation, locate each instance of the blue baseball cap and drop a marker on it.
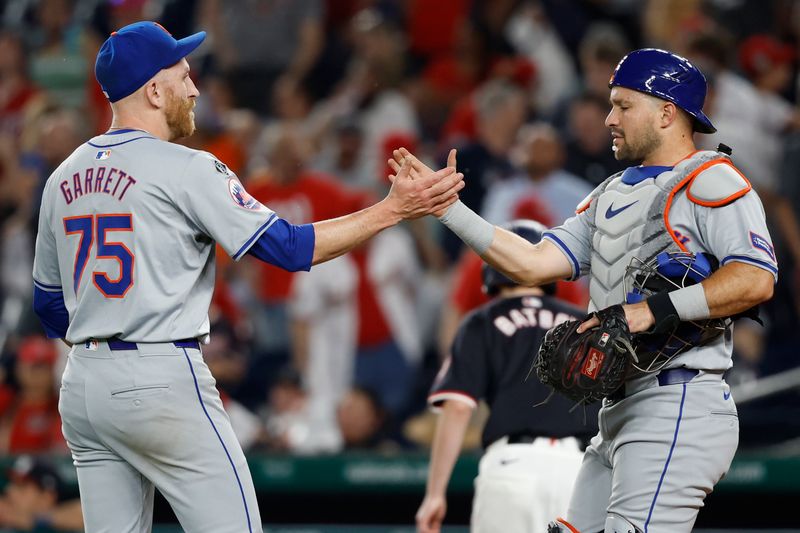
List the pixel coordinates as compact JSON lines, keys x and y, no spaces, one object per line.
{"x":135,"y":53}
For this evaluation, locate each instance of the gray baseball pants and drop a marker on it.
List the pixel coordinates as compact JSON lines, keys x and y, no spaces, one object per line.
{"x":659,"y":452}
{"x":146,"y":418}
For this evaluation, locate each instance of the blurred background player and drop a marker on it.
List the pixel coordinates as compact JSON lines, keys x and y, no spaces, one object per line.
{"x":35,"y":499}
{"x":531,"y":454}
{"x":29,"y":419}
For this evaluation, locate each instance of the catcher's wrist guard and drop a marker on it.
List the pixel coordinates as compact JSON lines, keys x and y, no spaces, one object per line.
{"x":691,"y":303}
{"x":469,"y":226}
{"x":664,"y":312}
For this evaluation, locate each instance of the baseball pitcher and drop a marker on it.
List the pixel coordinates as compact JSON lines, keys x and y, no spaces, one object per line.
{"x":124,"y":272}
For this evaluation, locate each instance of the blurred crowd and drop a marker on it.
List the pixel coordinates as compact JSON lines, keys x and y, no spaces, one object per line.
{"x":305,"y":100}
{"x":37,"y":498}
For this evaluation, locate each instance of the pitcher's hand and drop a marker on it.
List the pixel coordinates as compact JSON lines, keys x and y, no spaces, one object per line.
{"x":419,"y":169}
{"x":427,"y":193}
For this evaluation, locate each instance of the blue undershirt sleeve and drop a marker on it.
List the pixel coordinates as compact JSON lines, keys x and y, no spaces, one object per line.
{"x":286,"y":246}
{"x":49,"y":307}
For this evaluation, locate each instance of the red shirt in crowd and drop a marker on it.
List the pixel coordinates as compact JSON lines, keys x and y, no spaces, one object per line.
{"x":467,"y":291}
{"x":29,"y":427}
{"x":433,"y":26}
{"x":310,"y":198}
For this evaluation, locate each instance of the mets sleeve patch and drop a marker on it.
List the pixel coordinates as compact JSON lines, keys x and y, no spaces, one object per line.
{"x":762,"y":244}
{"x":241,"y":196}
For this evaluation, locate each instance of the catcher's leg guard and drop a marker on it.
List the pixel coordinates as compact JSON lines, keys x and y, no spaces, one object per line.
{"x":617,"y":524}
{"x":561,"y":526}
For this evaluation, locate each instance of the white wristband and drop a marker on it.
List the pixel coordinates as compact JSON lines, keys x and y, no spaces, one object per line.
{"x":690,"y":302}
{"x":469,"y":226}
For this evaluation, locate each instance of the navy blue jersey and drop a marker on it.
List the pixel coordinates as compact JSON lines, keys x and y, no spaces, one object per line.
{"x":490,"y":358}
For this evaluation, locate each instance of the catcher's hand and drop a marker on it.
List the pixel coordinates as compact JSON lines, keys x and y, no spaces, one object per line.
{"x":638,"y":317}
{"x":590,"y":365}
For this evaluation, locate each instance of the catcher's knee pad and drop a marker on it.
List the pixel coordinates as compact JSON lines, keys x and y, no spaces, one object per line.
{"x":617,"y":524}
{"x":561,"y":526}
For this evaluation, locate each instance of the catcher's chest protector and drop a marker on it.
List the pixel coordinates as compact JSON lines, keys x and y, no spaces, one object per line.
{"x":631,"y":221}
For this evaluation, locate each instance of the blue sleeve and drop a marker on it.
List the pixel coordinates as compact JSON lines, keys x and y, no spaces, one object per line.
{"x":49,"y":307}
{"x":286,"y":246}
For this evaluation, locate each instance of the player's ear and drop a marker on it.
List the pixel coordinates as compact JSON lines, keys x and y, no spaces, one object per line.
{"x":154,"y":93}
{"x":668,"y":114}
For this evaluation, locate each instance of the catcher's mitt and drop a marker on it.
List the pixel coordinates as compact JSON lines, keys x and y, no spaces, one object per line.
{"x":588,"y":366}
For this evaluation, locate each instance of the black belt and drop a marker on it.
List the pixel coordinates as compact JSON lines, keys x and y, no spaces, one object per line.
{"x":116,"y":344}
{"x":522,"y":438}
{"x":672,"y":376}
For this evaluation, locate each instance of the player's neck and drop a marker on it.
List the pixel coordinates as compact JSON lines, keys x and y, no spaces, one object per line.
{"x":670,"y":152}
{"x":510,"y":292}
{"x":122,"y":121}
{"x":113,"y":129}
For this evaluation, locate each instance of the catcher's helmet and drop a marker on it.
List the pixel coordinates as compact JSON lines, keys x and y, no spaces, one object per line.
{"x":667,"y":76}
{"x":493,"y":280}
{"x":670,"y":271}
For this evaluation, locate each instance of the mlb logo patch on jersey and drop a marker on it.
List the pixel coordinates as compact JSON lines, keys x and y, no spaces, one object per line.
{"x":762,"y":244}
{"x":240,"y":196}
{"x":103,"y":154}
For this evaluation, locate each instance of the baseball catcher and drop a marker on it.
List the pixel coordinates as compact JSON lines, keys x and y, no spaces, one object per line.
{"x":645,"y":470}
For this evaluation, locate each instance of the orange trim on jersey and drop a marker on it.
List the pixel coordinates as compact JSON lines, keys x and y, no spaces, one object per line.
{"x":584,"y":208}
{"x":677,"y":188}
{"x":567,"y":525}
{"x":725,"y":201}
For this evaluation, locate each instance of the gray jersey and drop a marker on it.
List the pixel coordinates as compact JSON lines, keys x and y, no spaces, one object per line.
{"x":736,"y":231}
{"x":127,"y":231}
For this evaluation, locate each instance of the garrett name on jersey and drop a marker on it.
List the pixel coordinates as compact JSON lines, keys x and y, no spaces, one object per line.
{"x":111,"y":181}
